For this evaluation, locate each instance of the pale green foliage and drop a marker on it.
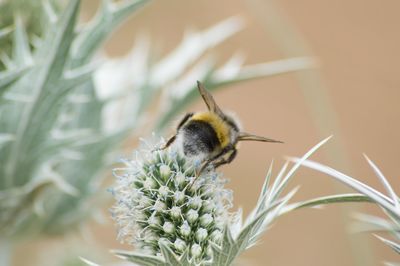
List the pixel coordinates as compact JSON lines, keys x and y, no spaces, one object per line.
{"x":390,"y":203}
{"x":50,"y":123}
{"x":31,"y":12}
{"x":56,"y":106}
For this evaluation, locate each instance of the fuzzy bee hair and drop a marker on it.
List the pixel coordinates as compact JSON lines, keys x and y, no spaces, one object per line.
{"x":210,"y":136}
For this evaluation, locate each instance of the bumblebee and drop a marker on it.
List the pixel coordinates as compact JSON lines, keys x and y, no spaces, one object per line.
{"x":210,"y":136}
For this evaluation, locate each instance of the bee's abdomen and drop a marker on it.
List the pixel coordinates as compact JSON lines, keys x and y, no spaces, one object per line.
{"x":199,"y":137}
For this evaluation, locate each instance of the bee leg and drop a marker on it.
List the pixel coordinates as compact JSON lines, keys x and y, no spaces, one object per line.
{"x":168,"y":143}
{"x":219,"y":155}
{"x":184,"y":119}
{"x":215,"y":162}
{"x":173,"y":138}
{"x":226,"y":160}
{"x":203,"y":167}
{"x":199,"y":171}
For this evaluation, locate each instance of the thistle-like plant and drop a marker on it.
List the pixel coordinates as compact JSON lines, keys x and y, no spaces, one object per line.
{"x":58,"y":112}
{"x":62,"y":113}
{"x":390,"y":203}
{"x":157,"y":201}
{"x":173,"y":220}
{"x":50,"y":124}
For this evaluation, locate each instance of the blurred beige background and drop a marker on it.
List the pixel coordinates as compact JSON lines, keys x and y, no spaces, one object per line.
{"x":354,"y":96}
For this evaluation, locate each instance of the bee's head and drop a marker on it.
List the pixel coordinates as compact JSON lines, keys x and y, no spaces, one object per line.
{"x":234,"y":125}
{"x":235,"y":132}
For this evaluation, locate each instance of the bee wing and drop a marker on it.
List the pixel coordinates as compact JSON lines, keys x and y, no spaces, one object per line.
{"x":209,"y":100}
{"x":243,"y":136}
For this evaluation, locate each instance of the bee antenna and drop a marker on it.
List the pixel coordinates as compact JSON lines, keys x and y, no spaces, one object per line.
{"x":243,"y":136}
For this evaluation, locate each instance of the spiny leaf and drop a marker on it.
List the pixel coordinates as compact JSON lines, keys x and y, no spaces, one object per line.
{"x":288,"y":176}
{"x":385,"y":183}
{"x":141,"y":259}
{"x":395,"y":246}
{"x":4,"y":32}
{"x":105,"y":21}
{"x":21,"y":51}
{"x":9,"y":76}
{"x":341,"y":198}
{"x":55,"y":53}
{"x":375,"y":195}
{"x":168,"y":254}
{"x":214,"y":81}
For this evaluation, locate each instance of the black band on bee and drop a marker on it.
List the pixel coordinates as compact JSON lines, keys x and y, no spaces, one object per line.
{"x":200,"y":136}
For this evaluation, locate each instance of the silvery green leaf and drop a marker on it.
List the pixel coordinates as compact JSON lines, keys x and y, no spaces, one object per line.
{"x":389,"y":204}
{"x":42,"y":82}
{"x":391,"y":264}
{"x":277,"y":191}
{"x":230,"y":248}
{"x":321,"y":201}
{"x":375,"y":195}
{"x":53,"y":143}
{"x":9,"y":76}
{"x":145,"y":260}
{"x":215,"y":79}
{"x":395,"y":246}
{"x":4,"y":32}
{"x":191,"y":48}
{"x":233,"y":73}
{"x":385,"y":183}
{"x":108,"y":18}
{"x":168,"y":255}
{"x":88,"y":262}
{"x":370,"y":223}
{"x":21,"y":51}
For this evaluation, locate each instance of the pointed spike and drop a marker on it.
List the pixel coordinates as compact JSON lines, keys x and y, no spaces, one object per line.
{"x":21,"y":50}
{"x":385,"y":182}
{"x":4,"y":32}
{"x":6,"y":60}
{"x":284,"y":182}
{"x":88,"y":262}
{"x":8,"y":77}
{"x":147,"y":260}
{"x":49,"y":11}
{"x":169,"y":256}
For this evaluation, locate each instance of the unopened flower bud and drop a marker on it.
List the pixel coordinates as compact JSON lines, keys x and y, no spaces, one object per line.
{"x":179,"y":196}
{"x":195,"y":202}
{"x":206,"y":219}
{"x":176,"y":212}
{"x":180,"y":179}
{"x":201,"y":234}
{"x":179,"y":244}
{"x":192,"y":215}
{"x":159,"y":206}
{"x":165,"y":171}
{"x":185,"y":229}
{"x":149,"y":183}
{"x":196,"y":250}
{"x":169,"y":227}
{"x":163,"y":190}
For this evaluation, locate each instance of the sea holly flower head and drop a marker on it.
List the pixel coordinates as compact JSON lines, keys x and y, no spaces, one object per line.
{"x":160,"y":202}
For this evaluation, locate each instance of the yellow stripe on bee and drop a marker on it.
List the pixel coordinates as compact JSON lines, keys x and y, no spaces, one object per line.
{"x":219,"y":125}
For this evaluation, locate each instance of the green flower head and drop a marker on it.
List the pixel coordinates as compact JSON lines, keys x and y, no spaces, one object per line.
{"x":158,"y":199}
